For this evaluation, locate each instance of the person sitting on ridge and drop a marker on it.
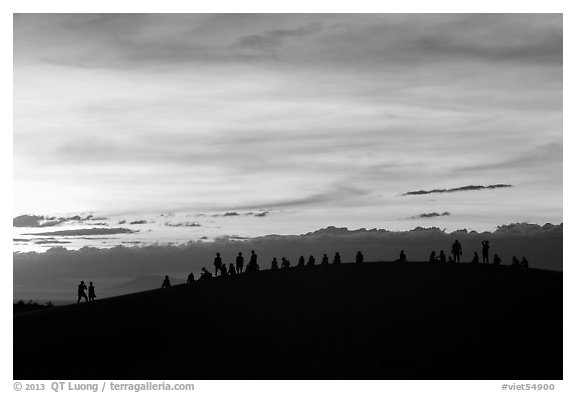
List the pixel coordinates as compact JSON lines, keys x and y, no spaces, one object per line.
{"x":166,"y":283}
{"x":432,"y":257}
{"x":311,"y":261}
{"x":324,"y":260}
{"x":274,"y":264}
{"x":301,"y":261}
{"x":524,"y":262}
{"x":231,"y":270}
{"x":337,"y":260}
{"x":442,"y":257}
{"x":285,"y":263}
{"x":206,"y":275}
{"x":475,"y":259}
{"x":239,"y":263}
{"x":450,"y":260}
{"x":82,"y":291}
{"x":515,"y":262}
{"x":91,"y":292}
{"x":496,"y":261}
{"x":190,"y":279}
{"x":359,"y":257}
{"x":402,"y":257}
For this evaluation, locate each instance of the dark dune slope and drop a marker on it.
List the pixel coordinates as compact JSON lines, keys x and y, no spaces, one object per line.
{"x":369,"y":321}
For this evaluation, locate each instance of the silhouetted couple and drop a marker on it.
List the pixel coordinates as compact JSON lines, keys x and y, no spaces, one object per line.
{"x":82,"y":292}
{"x":440,"y":258}
{"x":516,"y":263}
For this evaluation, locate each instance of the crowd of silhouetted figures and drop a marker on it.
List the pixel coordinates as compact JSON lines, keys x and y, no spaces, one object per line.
{"x":223,"y":270}
{"x":232,"y":269}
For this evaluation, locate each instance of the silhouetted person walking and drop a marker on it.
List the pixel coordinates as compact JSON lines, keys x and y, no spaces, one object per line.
{"x":432,"y":257}
{"x":274,"y":265}
{"x":217,"y":264}
{"x":442,"y":257}
{"x":337,"y":260}
{"x":285,"y":263}
{"x":457,"y":251}
{"x":301,"y":261}
{"x":359,"y":257}
{"x":402,"y":257}
{"x":91,"y":292}
{"x":166,"y":283}
{"x":496,"y":261}
{"x":231,"y":270}
{"x":475,"y":259}
{"x":190,"y":279}
{"x":324,"y":260}
{"x":82,"y":291}
{"x":485,"y":249}
{"x":524,"y":262}
{"x":239,"y":263}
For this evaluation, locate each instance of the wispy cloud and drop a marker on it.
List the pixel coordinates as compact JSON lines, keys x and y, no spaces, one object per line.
{"x":431,"y":215}
{"x":457,"y":189}
{"x":183,"y":224}
{"x":35,"y":221}
{"x":85,"y":232}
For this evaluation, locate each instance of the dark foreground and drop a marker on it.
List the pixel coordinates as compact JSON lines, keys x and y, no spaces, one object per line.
{"x":370,"y":321}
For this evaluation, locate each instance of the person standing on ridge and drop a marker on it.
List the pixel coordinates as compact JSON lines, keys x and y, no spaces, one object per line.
{"x":457,"y":251}
{"x":485,"y":248}
{"x":91,"y":292}
{"x":82,"y":291}
{"x":239,"y":263}
{"x":217,"y":264}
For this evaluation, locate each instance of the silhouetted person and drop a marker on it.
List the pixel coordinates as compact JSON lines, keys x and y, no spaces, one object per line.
{"x":91,"y":292}
{"x":82,"y":291}
{"x":285,"y":263}
{"x":456,"y":250}
{"x":524,"y":262}
{"x":231,"y":270}
{"x":239,"y":263}
{"x":450,"y":260}
{"x":496,"y":260}
{"x":337,"y":260}
{"x":402,"y":257}
{"x":359,"y":257}
{"x":223,"y":271}
{"x":301,"y":261}
{"x":206,"y":275}
{"x":324,"y":260}
{"x":442,"y":256}
{"x":475,"y":259}
{"x":166,"y":283}
{"x":252,"y":266}
{"x":515,"y":262}
{"x":217,"y":264}
{"x":311,"y":261}
{"x":432,"y":257}
{"x":274,"y":264}
{"x":485,"y":249}
{"x":190,"y":279}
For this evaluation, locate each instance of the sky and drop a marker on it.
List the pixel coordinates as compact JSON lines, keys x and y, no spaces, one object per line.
{"x":167,"y":128}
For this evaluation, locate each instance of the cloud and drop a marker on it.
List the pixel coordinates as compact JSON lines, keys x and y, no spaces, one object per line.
{"x":183,"y":224}
{"x":35,"y":221}
{"x":51,"y":242}
{"x":457,"y":189}
{"x":138,"y":222}
{"x":85,"y":232}
{"x":431,"y":215}
{"x":262,"y":213}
